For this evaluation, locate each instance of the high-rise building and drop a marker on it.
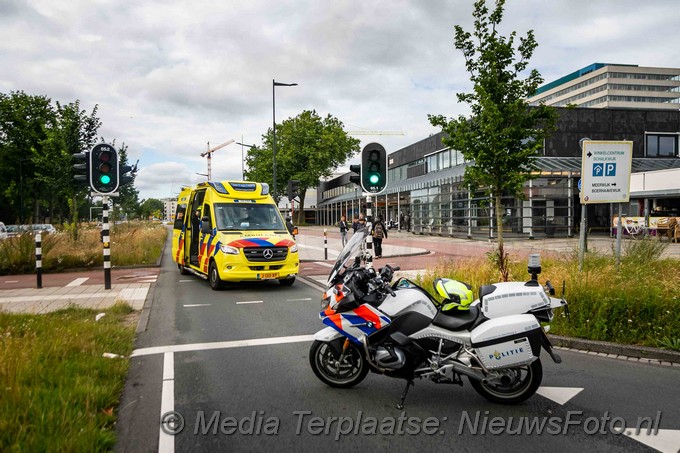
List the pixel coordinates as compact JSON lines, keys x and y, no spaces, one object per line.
{"x":604,"y":85}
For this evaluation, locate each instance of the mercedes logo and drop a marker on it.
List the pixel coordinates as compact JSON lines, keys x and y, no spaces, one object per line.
{"x":268,"y":254}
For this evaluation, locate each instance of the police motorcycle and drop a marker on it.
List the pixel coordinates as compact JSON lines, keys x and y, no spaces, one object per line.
{"x":401,"y":331}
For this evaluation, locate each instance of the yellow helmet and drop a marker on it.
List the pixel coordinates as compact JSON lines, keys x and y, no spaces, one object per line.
{"x":457,"y":295}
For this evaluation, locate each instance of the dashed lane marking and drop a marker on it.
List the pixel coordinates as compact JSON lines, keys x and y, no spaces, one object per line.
{"x":250,"y":302}
{"x":196,"y":305}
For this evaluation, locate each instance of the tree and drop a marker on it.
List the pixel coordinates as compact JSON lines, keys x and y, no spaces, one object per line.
{"x":308,"y":148}
{"x":504,"y":134}
{"x":24,"y":124}
{"x":151,"y":207}
{"x":74,"y":131}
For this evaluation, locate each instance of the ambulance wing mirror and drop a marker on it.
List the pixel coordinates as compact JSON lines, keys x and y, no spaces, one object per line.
{"x":206,"y":227}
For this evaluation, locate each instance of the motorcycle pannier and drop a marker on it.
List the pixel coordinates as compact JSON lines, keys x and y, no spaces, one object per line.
{"x":507,"y":342}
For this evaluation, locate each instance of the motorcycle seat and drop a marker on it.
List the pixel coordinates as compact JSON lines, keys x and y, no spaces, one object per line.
{"x":456,"y":319}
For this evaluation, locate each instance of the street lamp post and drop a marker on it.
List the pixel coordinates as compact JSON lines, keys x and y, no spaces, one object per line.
{"x":274,"y":85}
{"x":243,"y":173}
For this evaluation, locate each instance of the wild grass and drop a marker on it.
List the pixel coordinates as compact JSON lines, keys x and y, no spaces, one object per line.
{"x":636,"y":303}
{"x":131,"y":244}
{"x":57,"y":392}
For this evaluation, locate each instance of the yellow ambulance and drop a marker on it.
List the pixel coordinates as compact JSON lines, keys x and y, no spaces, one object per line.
{"x":232,"y":231}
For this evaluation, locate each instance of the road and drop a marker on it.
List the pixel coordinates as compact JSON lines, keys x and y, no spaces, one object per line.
{"x":234,"y":364}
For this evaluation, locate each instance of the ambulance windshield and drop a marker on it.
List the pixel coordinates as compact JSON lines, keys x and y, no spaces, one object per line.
{"x":247,"y":216}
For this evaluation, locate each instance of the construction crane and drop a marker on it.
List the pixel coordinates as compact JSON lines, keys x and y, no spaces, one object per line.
{"x":209,"y":154}
{"x":367,"y":132}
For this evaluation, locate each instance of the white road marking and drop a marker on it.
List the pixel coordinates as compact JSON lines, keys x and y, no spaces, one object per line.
{"x":186,"y":281}
{"x":148,"y":280}
{"x":560,"y":395}
{"x":250,"y":302}
{"x":78,"y":281}
{"x":220,"y":345}
{"x":295,"y":300}
{"x":166,"y":442}
{"x":196,"y":305}
{"x":665,"y":440}
{"x":11,"y":281}
{"x":321,"y":263}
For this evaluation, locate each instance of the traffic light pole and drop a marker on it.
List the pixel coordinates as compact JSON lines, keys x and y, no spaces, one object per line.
{"x":106,"y":242}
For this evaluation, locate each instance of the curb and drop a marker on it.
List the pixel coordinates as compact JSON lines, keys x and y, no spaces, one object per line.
{"x":642,"y":353}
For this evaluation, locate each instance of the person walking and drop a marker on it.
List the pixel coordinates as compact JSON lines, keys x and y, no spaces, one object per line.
{"x":355,"y":224}
{"x":343,"y":230}
{"x":379,"y":233}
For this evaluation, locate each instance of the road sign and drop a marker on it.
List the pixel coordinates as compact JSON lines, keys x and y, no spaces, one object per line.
{"x":605,"y":171}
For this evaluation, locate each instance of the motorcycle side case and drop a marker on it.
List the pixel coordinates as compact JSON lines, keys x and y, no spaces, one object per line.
{"x":513,"y":297}
{"x":508,"y":341}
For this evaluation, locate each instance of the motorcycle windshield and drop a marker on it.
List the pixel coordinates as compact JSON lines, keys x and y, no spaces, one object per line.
{"x":349,"y":252}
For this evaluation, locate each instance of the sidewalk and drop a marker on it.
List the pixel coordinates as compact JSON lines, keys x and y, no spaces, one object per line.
{"x":44,"y":300}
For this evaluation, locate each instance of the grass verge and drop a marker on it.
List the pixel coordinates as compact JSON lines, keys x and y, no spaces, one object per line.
{"x":637,"y":302}
{"x":57,"y":391}
{"x":134,"y":243}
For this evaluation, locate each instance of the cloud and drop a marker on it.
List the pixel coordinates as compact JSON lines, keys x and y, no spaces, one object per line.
{"x":170,"y":76}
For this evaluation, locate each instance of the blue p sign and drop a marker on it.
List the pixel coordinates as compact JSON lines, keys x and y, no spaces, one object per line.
{"x":610,"y":169}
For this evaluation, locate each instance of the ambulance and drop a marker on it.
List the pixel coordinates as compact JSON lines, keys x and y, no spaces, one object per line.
{"x":232,"y":231}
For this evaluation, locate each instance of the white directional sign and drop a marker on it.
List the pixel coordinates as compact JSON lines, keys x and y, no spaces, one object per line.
{"x":605,"y":171}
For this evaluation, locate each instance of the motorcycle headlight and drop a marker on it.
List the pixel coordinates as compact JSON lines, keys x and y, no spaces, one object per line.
{"x":294,"y":248}
{"x":325,"y":303}
{"x":229,"y":250}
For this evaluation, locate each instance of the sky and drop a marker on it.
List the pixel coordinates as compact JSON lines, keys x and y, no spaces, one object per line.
{"x":171,"y":76}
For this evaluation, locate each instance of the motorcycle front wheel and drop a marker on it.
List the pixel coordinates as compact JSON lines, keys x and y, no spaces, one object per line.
{"x":341,"y":373}
{"x":516,"y":385}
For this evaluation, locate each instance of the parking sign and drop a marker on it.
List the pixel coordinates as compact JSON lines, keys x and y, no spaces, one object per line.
{"x":605,"y":171}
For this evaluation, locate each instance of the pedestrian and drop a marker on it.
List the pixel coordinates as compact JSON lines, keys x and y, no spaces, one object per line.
{"x":379,"y":233}
{"x":355,"y":224}
{"x":362,"y":221}
{"x":407,"y":219}
{"x":343,"y":230}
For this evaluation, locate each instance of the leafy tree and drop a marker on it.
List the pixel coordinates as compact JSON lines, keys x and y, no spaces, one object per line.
{"x":504,"y":134}
{"x":151,"y":207}
{"x":308,"y":148}
{"x":74,"y":131}
{"x":24,"y":124}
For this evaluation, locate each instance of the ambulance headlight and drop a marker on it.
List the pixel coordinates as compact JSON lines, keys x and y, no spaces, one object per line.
{"x":294,"y":248}
{"x":229,"y":250}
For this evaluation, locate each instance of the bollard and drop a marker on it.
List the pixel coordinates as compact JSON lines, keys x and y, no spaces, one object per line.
{"x":38,"y":259}
{"x":106,"y":239}
{"x":325,"y":244}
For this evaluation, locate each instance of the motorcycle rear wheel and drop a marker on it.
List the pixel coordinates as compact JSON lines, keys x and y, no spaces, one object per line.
{"x":328,"y":369}
{"x":524,"y":381}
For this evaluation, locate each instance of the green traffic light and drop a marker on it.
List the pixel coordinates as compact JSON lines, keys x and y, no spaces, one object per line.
{"x":374,"y":178}
{"x":105,"y":179}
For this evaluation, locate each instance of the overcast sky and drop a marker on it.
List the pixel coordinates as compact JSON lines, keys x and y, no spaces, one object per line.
{"x":170,"y":76}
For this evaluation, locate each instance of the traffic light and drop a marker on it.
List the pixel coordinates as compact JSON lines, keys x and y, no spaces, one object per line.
{"x":81,"y":169}
{"x":356,"y":179}
{"x":293,"y":189}
{"x":104,"y":169}
{"x":374,"y":168}
{"x":123,"y":177}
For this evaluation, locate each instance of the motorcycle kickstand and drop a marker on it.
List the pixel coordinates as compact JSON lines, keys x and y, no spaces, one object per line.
{"x":409,"y":383}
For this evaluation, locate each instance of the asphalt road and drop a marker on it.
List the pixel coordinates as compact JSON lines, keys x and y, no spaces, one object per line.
{"x":198,"y":357}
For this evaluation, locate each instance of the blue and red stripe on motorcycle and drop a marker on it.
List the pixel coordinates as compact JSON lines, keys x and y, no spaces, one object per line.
{"x":363,"y":320}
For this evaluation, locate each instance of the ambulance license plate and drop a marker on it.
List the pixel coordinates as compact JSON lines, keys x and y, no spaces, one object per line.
{"x":267,"y":275}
